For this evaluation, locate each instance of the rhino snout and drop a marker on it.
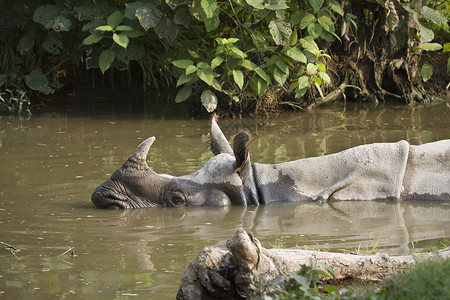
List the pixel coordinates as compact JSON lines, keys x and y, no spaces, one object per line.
{"x":102,"y":198}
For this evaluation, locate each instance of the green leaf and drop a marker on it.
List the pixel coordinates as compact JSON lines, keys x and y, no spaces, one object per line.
{"x":209,"y":7}
{"x":429,"y":47}
{"x":296,"y":54}
{"x":52,"y":45}
{"x":446,"y":47}
{"x":282,"y":66}
{"x":336,"y":7}
{"x":37,"y":81}
{"x":307,"y":20}
{"x":124,"y":28}
{"x":216,"y":62}
{"x":182,"y":63}
{"x":104,"y":28}
{"x":259,"y":40}
{"x":258,"y":85}
{"x":318,"y":88}
{"x":106,"y":59}
{"x":321,"y":66}
{"x":133,"y":33}
{"x":275,"y":4}
{"x":426,"y":71}
{"x":182,"y":16}
{"x":237,"y":51}
{"x":148,"y":17}
{"x":326,"y":23}
{"x":300,"y":92}
{"x":316,"y":4}
{"x":280,"y":31}
{"x":45,"y":14}
{"x":309,"y":44}
{"x":183,"y":94}
{"x":426,"y":34}
{"x":279,"y":76}
{"x":114,"y":19}
{"x":121,"y":39}
{"x":297,"y":16}
{"x":317,"y":80}
{"x":315,"y":30}
{"x":248,"y":65}
{"x":211,"y":23}
{"x":328,"y":268}
{"x":92,"y":39}
{"x":184,"y":78}
{"x":130,"y":8}
{"x":293,"y":39}
{"x":190,"y":69}
{"x":433,"y":15}
{"x":259,"y":4}
{"x":311,"y":68}
{"x":238,"y":77}
{"x":203,"y":65}
{"x":91,"y":26}
{"x":217,"y":85}
{"x":60,"y":23}
{"x":209,"y":100}
{"x":303,"y":82}
{"x":263,"y":74}
{"x":206,"y":74}
{"x":268,"y":4}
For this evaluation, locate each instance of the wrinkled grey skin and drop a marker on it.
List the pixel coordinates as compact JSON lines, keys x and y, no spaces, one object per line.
{"x":384,"y":171}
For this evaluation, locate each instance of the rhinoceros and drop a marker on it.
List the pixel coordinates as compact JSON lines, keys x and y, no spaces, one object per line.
{"x":381,"y":171}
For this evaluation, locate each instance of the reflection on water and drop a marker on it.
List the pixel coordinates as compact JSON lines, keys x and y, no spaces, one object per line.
{"x":51,"y":163}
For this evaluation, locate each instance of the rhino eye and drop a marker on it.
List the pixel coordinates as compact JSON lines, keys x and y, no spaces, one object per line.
{"x":177,"y":198}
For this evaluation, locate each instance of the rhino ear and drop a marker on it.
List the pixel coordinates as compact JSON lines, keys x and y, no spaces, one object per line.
{"x":138,"y":160}
{"x":241,"y":146}
{"x":219,"y":143}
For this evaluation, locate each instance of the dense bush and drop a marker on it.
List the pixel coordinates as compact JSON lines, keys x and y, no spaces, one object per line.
{"x":231,"y":50}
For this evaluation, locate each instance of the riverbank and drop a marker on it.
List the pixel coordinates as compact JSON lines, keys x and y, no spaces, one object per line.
{"x":249,"y":270}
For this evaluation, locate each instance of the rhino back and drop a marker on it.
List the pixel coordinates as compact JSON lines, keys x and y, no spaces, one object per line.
{"x":367,"y":172}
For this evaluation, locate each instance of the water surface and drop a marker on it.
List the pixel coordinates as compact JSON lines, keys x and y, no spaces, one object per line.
{"x":51,"y":163}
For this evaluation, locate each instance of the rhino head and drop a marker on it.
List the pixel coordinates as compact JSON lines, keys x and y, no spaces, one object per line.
{"x":224,"y":180}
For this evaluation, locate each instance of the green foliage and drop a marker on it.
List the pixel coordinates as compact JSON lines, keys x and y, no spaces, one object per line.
{"x":259,"y":47}
{"x":14,"y":102}
{"x":304,"y":284}
{"x":429,"y":279}
{"x":425,"y":34}
{"x":231,"y":49}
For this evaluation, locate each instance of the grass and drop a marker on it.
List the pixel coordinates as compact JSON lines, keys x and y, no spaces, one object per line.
{"x":426,"y":280}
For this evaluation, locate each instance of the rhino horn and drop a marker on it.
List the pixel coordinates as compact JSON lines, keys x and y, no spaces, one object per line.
{"x":138,"y":160}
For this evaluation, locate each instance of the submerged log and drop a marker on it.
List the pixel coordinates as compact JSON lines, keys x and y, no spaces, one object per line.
{"x":221,"y":274}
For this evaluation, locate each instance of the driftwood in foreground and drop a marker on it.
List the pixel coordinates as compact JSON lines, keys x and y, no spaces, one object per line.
{"x":221,"y":274}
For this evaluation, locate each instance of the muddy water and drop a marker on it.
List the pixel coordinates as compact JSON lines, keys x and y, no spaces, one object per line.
{"x":50,"y":164}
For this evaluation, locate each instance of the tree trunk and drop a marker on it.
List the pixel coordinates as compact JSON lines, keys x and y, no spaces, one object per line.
{"x":220,"y":274}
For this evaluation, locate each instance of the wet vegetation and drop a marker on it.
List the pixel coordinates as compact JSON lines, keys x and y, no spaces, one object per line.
{"x":235,"y":56}
{"x":426,"y":280}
